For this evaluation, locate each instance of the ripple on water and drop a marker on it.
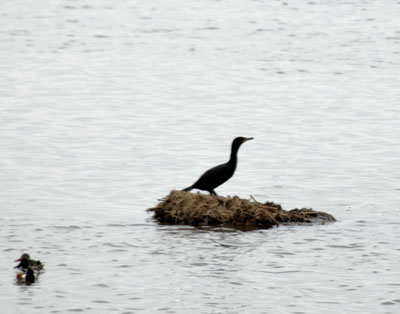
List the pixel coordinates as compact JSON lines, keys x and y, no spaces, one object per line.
{"x":101,"y":285}
{"x":101,"y":301}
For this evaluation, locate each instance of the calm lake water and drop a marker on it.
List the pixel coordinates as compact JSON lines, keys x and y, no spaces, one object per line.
{"x":106,"y":106}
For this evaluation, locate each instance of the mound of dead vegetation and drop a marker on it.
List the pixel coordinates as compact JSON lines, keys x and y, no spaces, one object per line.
{"x":185,"y":208}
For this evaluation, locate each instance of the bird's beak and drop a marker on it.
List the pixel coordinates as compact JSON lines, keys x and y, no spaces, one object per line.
{"x":18,"y":260}
{"x":248,"y":139}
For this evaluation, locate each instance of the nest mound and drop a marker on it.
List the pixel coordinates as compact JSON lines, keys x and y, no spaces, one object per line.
{"x":185,"y":208}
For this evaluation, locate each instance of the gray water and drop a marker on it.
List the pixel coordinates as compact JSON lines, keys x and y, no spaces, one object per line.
{"x":106,"y":106}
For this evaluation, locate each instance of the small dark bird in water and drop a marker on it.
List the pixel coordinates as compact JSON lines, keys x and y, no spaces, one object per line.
{"x":219,"y":174}
{"x":30,"y":276}
{"x":25,"y":262}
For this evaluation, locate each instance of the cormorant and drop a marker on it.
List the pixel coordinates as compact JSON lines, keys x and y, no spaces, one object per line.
{"x":219,"y":174}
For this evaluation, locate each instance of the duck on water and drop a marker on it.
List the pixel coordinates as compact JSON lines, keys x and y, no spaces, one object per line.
{"x":29,"y":269}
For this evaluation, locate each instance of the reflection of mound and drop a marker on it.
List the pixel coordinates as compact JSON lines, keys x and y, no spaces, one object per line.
{"x":184,"y":208}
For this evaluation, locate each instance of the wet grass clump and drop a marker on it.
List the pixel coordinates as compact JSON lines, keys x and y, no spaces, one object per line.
{"x":185,"y":208}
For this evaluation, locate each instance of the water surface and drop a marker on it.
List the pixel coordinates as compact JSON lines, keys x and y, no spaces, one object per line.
{"x":105,"y":107}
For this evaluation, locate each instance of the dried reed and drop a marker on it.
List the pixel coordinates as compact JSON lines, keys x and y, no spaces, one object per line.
{"x":185,"y":208}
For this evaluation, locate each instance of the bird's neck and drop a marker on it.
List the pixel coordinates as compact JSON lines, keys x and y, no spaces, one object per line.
{"x":233,"y":160}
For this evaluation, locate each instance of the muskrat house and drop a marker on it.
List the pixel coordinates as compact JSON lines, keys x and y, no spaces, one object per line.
{"x":185,"y":208}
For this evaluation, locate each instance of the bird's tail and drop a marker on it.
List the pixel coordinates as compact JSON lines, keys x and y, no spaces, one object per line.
{"x":189,"y":188}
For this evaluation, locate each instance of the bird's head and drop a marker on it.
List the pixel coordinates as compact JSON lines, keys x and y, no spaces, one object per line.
{"x":239,"y":141}
{"x":23,"y":256}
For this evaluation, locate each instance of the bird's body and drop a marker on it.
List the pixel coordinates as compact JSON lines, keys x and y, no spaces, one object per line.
{"x":29,"y":277}
{"x":218,"y":175}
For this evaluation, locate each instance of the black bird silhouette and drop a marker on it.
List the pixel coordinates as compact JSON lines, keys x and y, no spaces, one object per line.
{"x":220,"y":174}
{"x":30,"y":277}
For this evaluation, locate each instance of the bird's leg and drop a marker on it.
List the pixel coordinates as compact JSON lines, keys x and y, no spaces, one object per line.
{"x":212,"y":192}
